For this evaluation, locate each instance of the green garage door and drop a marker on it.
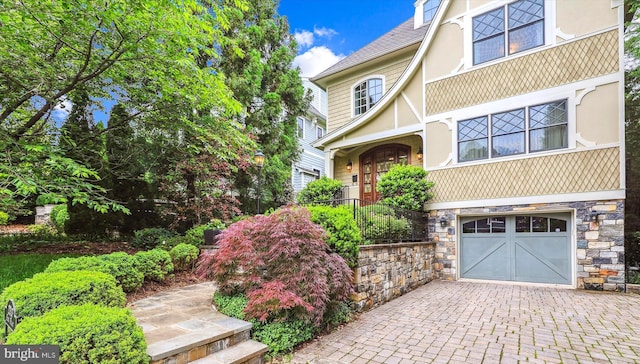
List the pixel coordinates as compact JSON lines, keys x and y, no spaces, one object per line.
{"x":528,"y":248}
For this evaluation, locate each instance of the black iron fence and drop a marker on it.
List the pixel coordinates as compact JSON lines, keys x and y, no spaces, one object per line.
{"x":381,"y":223}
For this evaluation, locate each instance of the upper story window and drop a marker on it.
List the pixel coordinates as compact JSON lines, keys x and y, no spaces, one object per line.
{"x":528,"y":129}
{"x":429,"y":10}
{"x":515,"y":27}
{"x":319,"y":132}
{"x":301,"y":128}
{"x":366,"y":94}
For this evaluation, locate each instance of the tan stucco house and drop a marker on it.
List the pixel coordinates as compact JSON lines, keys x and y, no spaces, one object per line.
{"x":516,"y":109}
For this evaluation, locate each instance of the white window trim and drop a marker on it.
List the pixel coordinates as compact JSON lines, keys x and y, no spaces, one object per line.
{"x":352,"y":89}
{"x":549,"y":32}
{"x":304,"y":122}
{"x":418,"y":16}
{"x":318,"y":127}
{"x":521,"y":101}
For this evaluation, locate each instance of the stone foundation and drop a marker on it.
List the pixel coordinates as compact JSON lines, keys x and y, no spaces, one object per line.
{"x":387,"y":271}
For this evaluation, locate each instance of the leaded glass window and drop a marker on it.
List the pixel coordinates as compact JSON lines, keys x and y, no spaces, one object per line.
{"x":429,"y":10}
{"x":508,"y":131}
{"x":518,"y":26}
{"x":524,"y":130}
{"x":548,"y":124}
{"x":473,"y":139}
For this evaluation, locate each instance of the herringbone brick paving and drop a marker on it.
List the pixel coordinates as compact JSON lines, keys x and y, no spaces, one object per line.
{"x":468,"y":322}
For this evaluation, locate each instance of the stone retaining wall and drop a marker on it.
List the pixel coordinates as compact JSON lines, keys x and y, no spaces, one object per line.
{"x":387,"y":271}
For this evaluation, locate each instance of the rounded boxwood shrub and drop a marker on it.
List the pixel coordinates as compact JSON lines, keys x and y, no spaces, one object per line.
{"x":151,"y":237}
{"x":86,"y":334}
{"x":120,"y":265}
{"x":153,"y":264}
{"x":184,"y":256}
{"x":321,"y":190}
{"x":46,"y":291}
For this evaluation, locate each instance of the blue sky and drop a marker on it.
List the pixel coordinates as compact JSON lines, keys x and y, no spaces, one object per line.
{"x":329,"y":30}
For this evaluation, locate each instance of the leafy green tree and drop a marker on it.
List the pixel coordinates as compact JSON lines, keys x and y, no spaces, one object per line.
{"x":258,"y":66}
{"x":142,"y":53}
{"x":406,"y":187}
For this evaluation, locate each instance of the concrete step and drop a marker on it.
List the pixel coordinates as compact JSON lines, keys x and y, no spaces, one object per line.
{"x":246,"y":352}
{"x":197,"y":338}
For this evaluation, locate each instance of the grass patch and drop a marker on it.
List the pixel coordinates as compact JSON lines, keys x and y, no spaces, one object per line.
{"x":15,"y":268}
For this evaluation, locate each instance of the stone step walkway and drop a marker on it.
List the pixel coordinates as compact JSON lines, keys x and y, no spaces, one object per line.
{"x":181,"y":326}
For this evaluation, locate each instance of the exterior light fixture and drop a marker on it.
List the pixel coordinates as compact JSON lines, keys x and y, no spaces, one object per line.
{"x":595,"y":216}
{"x":258,"y":158}
{"x":420,"y":154}
{"x":349,"y":165}
{"x":443,"y":221}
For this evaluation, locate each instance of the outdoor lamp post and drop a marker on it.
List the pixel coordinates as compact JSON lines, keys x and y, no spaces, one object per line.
{"x":259,"y":159}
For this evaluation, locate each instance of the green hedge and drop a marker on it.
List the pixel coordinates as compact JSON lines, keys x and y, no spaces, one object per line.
{"x":280,"y":337}
{"x":120,"y":265}
{"x":153,"y":264}
{"x":46,"y":291}
{"x":344,"y":236}
{"x":184,"y":256}
{"x":86,"y":334}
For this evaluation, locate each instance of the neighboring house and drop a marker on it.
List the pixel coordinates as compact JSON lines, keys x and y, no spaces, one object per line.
{"x":516,"y":109}
{"x":311,"y":127}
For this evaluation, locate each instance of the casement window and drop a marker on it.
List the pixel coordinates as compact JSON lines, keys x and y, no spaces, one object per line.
{"x":301,"y":128}
{"x":515,"y":27}
{"x":429,"y":10}
{"x":366,"y":94}
{"x":525,"y":130}
{"x":319,"y":132}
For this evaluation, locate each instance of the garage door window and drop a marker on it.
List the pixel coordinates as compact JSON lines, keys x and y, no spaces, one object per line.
{"x":485,"y":226}
{"x":539,"y":224}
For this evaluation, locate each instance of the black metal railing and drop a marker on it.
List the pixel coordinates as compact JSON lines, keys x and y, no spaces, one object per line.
{"x":381,"y":223}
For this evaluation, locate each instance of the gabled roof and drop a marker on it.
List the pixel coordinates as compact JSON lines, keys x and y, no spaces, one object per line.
{"x":427,"y":33}
{"x":400,"y":37}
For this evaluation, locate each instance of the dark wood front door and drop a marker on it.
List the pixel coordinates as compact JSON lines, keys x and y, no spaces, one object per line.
{"x":375,"y":163}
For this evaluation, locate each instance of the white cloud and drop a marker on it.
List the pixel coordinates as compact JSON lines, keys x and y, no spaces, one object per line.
{"x":316,"y":60}
{"x":304,"y":38}
{"x":324,"y":32}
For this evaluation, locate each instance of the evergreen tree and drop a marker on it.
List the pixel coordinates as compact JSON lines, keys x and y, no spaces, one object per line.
{"x":263,"y":80}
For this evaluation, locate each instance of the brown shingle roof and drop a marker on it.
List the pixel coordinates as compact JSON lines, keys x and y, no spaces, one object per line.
{"x":400,"y":37}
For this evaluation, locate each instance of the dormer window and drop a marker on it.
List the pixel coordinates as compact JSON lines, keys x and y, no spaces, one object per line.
{"x":429,"y":10}
{"x":366,"y":94}
{"x":515,"y":27}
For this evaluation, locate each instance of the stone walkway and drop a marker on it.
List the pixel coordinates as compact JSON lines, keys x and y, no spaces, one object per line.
{"x":464,"y":322}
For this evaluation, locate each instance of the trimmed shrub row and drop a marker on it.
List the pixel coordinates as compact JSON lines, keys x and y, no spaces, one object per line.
{"x":86,"y":334}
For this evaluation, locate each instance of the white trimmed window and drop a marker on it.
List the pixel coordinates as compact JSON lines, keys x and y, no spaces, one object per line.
{"x":301,"y":128}
{"x":319,"y":132}
{"x":366,"y":94}
{"x":429,"y":9}
{"x":507,"y":30}
{"x":525,"y":130}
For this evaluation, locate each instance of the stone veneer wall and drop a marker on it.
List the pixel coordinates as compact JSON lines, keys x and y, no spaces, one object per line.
{"x":387,"y":271}
{"x":599,"y":245}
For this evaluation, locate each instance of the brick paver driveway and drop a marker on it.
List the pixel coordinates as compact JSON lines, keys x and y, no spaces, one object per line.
{"x":464,"y":322}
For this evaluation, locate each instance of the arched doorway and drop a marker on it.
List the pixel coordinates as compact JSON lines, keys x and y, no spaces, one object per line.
{"x":375,"y":163}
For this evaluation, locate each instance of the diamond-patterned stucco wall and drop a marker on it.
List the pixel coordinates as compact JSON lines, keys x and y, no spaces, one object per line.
{"x":583,"y":59}
{"x":585,"y":171}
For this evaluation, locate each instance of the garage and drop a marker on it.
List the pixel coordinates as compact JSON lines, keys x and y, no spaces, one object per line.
{"x":521,"y":248}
